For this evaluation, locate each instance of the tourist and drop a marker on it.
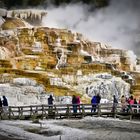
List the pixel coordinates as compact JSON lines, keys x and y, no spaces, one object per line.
{"x":139,"y":105}
{"x":78,"y":103}
{"x":131,"y":103}
{"x":135,"y":105}
{"x":0,"y":105}
{"x":135,"y":101}
{"x":98,"y":97}
{"x":139,"y":101}
{"x":94,"y":103}
{"x":5,"y":104}
{"x":74,"y":103}
{"x":131,"y":100}
{"x":0,"y":102}
{"x":115,"y":102}
{"x":50,"y":101}
{"x":123,"y":103}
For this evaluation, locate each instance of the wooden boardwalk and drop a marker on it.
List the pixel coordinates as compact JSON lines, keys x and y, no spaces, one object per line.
{"x":66,"y":111}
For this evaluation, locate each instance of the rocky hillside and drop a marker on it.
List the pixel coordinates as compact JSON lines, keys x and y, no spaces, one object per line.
{"x":63,"y":62}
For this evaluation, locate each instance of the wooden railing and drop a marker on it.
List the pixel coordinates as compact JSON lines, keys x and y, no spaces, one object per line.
{"x":66,"y":111}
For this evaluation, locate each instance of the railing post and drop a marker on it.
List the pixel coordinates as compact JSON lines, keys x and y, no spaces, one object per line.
{"x":99,"y":110}
{"x":36,"y":111}
{"x":42,"y":111}
{"x":18,"y":112}
{"x":55,"y":111}
{"x":50,"y":110}
{"x":1,"y":113}
{"x":131,"y":112}
{"x":68,"y":111}
{"x":9,"y":113}
{"x":83,"y":111}
{"x":114,"y":109}
{"x":21,"y":113}
{"x":30,"y":111}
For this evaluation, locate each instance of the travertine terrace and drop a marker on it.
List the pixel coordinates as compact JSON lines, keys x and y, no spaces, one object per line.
{"x":59,"y":58}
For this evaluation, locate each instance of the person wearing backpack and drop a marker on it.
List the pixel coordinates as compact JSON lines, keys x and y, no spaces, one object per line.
{"x":94,"y":103}
{"x":5,"y":104}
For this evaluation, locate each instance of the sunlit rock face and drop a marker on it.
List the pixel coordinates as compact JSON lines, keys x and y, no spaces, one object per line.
{"x":22,"y":91}
{"x":103,"y":84}
{"x":26,"y":91}
{"x":4,"y":53}
{"x":64,"y":62}
{"x":12,"y":23}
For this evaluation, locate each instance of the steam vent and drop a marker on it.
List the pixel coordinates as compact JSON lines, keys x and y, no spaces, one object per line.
{"x":36,"y":60}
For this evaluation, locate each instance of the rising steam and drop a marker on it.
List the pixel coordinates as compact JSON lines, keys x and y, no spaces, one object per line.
{"x":117,"y":25}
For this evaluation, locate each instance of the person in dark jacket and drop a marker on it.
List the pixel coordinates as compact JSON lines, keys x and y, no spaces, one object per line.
{"x":94,"y":103}
{"x":5,"y":104}
{"x":115,"y":102}
{"x":50,"y":100}
{"x":135,"y":105}
{"x":0,"y":106}
{"x":98,"y":99}
{"x":50,"y":103}
{"x":74,"y":103}
{"x":0,"y":103}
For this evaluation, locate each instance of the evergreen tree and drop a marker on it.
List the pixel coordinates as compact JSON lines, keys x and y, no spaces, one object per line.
{"x":26,"y":3}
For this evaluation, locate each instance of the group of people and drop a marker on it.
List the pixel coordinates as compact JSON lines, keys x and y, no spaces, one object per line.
{"x":128,"y":103}
{"x":95,"y":101}
{"x":75,"y":102}
{"x":4,"y":104}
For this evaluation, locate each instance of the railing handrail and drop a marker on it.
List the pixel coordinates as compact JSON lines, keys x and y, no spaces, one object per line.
{"x":63,"y":105}
{"x":67,"y":110}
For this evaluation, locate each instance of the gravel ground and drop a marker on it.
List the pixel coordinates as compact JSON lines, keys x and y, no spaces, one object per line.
{"x":106,"y":129}
{"x":89,"y":128}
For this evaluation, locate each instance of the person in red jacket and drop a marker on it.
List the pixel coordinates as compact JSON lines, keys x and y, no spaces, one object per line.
{"x":139,"y":101}
{"x":78,"y":103}
{"x":131,"y":103}
{"x":139,"y":104}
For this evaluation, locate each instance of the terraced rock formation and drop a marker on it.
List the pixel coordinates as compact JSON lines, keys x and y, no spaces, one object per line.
{"x":65,"y":62}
